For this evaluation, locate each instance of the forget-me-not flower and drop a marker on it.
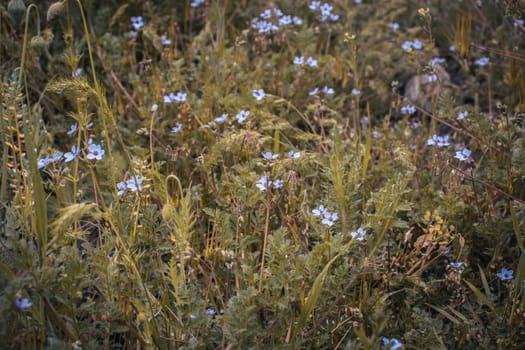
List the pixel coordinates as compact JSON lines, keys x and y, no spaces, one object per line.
{"x":298,"y":60}
{"x":440,"y":141}
{"x":221,"y":119}
{"x":23,"y":303}
{"x":356,"y":92}
{"x":456,"y":265}
{"x":121,"y":187}
{"x":312,"y":62}
{"x":73,"y":129}
{"x":328,"y":90}
{"x":294,"y":155}
{"x":483,"y":61}
{"x":329,"y":219}
{"x":462,"y":115}
{"x":134,"y":183}
{"x":242,"y":115}
{"x":259,"y":94}
{"x":505,"y":274}
{"x":320,"y":211}
{"x":408,"y":109}
{"x":69,"y":156}
{"x":197,"y":3}
{"x":359,"y":234}
{"x":394,"y":26}
{"x":392,"y":344}
{"x":165,"y":40}
{"x":137,"y":22}
{"x":177,"y":128}
{"x":463,"y":155}
{"x":95,"y":152}
{"x":270,"y":156}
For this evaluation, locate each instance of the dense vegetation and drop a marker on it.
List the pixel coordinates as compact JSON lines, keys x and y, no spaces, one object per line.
{"x":214,"y":174}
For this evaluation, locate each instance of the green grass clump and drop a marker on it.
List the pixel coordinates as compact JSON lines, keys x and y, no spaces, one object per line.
{"x":255,"y":174}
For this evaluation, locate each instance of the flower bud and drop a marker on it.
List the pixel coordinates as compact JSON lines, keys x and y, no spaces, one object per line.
{"x":55,"y":10}
{"x":16,"y":9}
{"x":38,"y":43}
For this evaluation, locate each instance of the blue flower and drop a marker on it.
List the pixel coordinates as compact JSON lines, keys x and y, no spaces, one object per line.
{"x":314,"y":5}
{"x":23,"y":303}
{"x":505,"y":274}
{"x":408,"y":109}
{"x":57,"y":156}
{"x":69,"y":156}
{"x":179,"y":97}
{"x":134,"y":183}
{"x":463,"y":155}
{"x":392,"y":344}
{"x":95,"y":152}
{"x":42,"y":163}
{"x":394,"y":26}
{"x":221,"y":119}
{"x":165,"y":40}
{"x":177,"y":128}
{"x":263,"y":183}
{"x":483,"y":61}
{"x":356,"y":92}
{"x":462,"y":115}
{"x":242,"y":115}
{"x":285,"y":20}
{"x":298,"y":60}
{"x":329,"y":219}
{"x":314,"y":92}
{"x":197,"y":3}
{"x":294,"y":155}
{"x":312,"y":62}
{"x":277,"y":183}
{"x":417,"y":45}
{"x":73,"y":129}
{"x":437,"y":60}
{"x":359,"y":234}
{"x":440,"y":141}
{"x":456,"y":265}
{"x":270,"y":156}
{"x":77,"y":72}
{"x":320,"y":211}
{"x":121,"y":187}
{"x":328,"y":90}
{"x":297,"y":21}
{"x":137,"y":22}
{"x":259,"y":94}
{"x":210,"y":311}
{"x":431,"y":78}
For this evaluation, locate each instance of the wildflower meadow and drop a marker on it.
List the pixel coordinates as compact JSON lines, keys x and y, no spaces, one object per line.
{"x":253,"y":174}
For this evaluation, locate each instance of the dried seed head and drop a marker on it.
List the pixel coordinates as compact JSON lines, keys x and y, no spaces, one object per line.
{"x":16,"y":9}
{"x":38,"y":43}
{"x":55,"y":10}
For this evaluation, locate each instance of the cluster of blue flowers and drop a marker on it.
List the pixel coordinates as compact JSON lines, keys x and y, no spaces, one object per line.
{"x":325,"y":10}
{"x":272,"y":20}
{"x":134,"y":184}
{"x":327,"y":218}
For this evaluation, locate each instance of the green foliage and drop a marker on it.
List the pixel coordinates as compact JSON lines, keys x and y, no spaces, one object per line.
{"x":136,"y":217}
